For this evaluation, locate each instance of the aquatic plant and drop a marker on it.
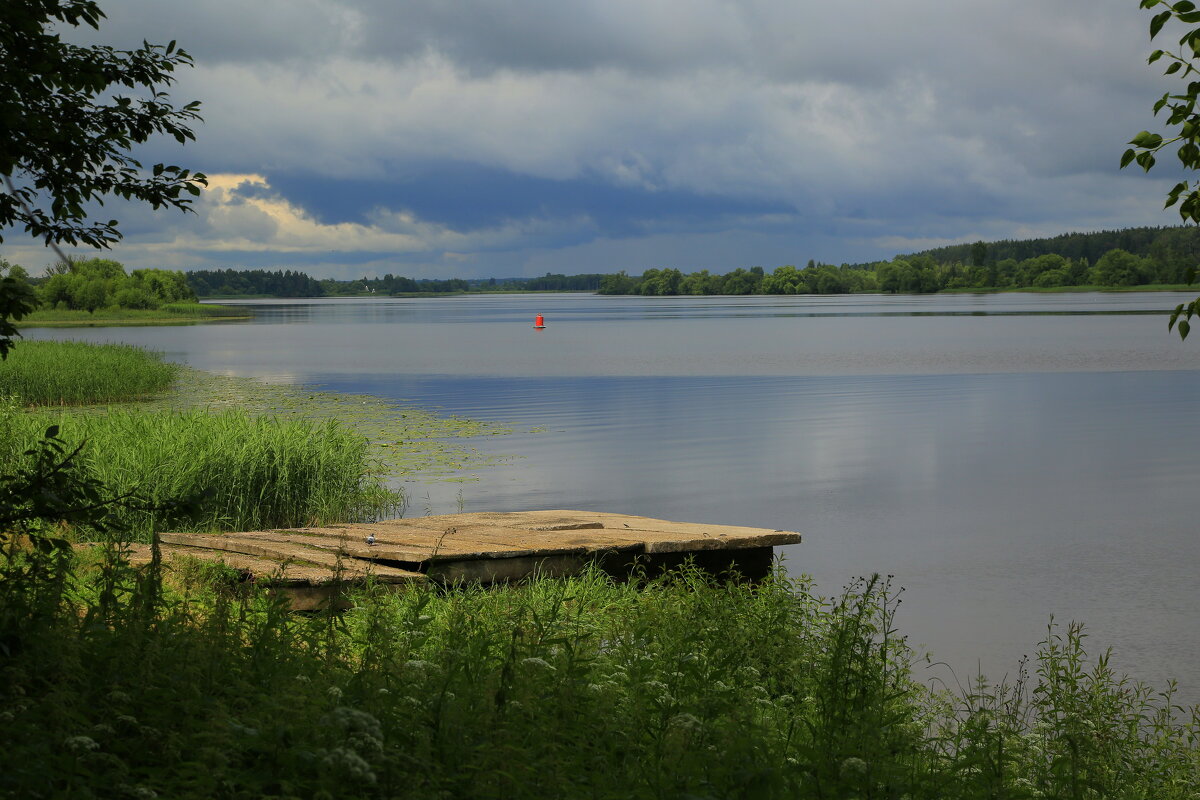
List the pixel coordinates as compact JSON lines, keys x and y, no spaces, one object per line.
{"x":229,"y":470}
{"x":75,"y":373}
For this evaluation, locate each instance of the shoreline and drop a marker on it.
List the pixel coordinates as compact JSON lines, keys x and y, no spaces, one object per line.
{"x":183,"y":314}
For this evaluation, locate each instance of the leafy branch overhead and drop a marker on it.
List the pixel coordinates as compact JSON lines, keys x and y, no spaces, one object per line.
{"x":1184,"y":120}
{"x":68,"y":120}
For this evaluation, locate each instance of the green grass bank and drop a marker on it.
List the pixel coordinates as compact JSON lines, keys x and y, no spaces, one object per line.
{"x":168,"y":314}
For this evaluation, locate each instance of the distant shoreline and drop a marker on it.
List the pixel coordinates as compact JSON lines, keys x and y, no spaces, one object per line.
{"x":1173,"y":287}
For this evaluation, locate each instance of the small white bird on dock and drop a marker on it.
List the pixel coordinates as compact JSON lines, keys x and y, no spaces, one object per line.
{"x":370,"y":540}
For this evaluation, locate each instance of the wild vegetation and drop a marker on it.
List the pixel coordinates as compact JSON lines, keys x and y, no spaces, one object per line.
{"x":228,"y":470}
{"x":166,"y":314}
{"x":679,"y":687}
{"x":76,"y":373}
{"x":95,"y":283}
{"x":243,"y":455}
{"x":98,"y":290}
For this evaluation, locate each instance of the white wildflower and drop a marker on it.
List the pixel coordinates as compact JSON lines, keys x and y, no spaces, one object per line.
{"x":81,"y":744}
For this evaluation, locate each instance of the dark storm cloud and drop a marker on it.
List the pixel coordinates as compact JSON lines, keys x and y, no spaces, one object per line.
{"x":479,"y":134}
{"x":470,"y":197}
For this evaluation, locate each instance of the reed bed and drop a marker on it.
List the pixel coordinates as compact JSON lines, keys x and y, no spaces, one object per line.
{"x":77,"y":373}
{"x":679,"y":687}
{"x":204,"y":310}
{"x":199,"y":470}
{"x":168,"y":313}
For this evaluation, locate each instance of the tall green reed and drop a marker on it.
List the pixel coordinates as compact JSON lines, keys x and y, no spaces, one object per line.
{"x":76,"y":373}
{"x":237,"y":471}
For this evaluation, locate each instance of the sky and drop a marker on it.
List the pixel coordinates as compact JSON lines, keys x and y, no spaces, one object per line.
{"x":502,"y":138}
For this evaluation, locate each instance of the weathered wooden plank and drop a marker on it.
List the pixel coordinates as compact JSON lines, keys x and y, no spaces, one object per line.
{"x":665,"y":542}
{"x":558,"y":520}
{"x":389,"y":545}
{"x":455,"y":543}
{"x":355,"y":548}
{"x":275,"y":572}
{"x":253,"y":567}
{"x":530,"y":520}
{"x":492,"y":546}
{"x":283,"y":552}
{"x":501,"y":570}
{"x":558,"y":542}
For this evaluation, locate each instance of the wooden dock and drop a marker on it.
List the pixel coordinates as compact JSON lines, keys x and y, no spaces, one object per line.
{"x":309,"y":564}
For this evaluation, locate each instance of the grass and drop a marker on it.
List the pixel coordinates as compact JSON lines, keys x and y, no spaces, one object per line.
{"x":240,"y":472}
{"x":75,"y":373}
{"x":678,"y":688}
{"x":171,"y":313}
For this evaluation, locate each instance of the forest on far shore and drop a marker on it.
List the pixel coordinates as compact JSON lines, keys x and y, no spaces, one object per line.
{"x":1107,"y":259}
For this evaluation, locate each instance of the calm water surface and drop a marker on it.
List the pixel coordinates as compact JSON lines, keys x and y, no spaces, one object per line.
{"x":1006,"y":457}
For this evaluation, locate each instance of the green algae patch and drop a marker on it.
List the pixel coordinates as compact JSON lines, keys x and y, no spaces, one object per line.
{"x":405,"y":440}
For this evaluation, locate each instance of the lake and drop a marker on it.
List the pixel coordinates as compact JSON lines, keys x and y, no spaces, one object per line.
{"x":1006,"y":457}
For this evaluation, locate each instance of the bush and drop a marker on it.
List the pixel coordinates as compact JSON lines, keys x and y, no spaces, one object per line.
{"x":135,"y":298}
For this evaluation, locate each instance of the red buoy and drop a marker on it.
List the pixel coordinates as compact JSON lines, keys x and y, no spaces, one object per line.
{"x":538,"y":322}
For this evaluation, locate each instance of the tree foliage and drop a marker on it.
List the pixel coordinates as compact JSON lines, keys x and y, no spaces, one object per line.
{"x":17,"y":299}
{"x":95,"y":283}
{"x":69,"y":118}
{"x":1183,"y":122}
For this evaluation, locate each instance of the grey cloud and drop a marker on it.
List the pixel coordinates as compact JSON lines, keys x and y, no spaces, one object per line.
{"x":908,"y":117}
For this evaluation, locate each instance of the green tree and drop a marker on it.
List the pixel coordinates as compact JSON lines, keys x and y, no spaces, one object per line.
{"x":696,"y":283}
{"x":1183,"y":122}
{"x":17,"y":298}
{"x":69,"y":115}
{"x":92,"y":294}
{"x":785,"y":280}
{"x":1117,"y":268}
{"x":979,"y":254}
{"x":620,"y":283}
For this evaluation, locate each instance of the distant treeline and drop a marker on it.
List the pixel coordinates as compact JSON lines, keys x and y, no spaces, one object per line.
{"x":912,"y":274}
{"x":1166,"y":245}
{"x":234,"y":282}
{"x":1130,"y":257}
{"x":290,"y":283}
